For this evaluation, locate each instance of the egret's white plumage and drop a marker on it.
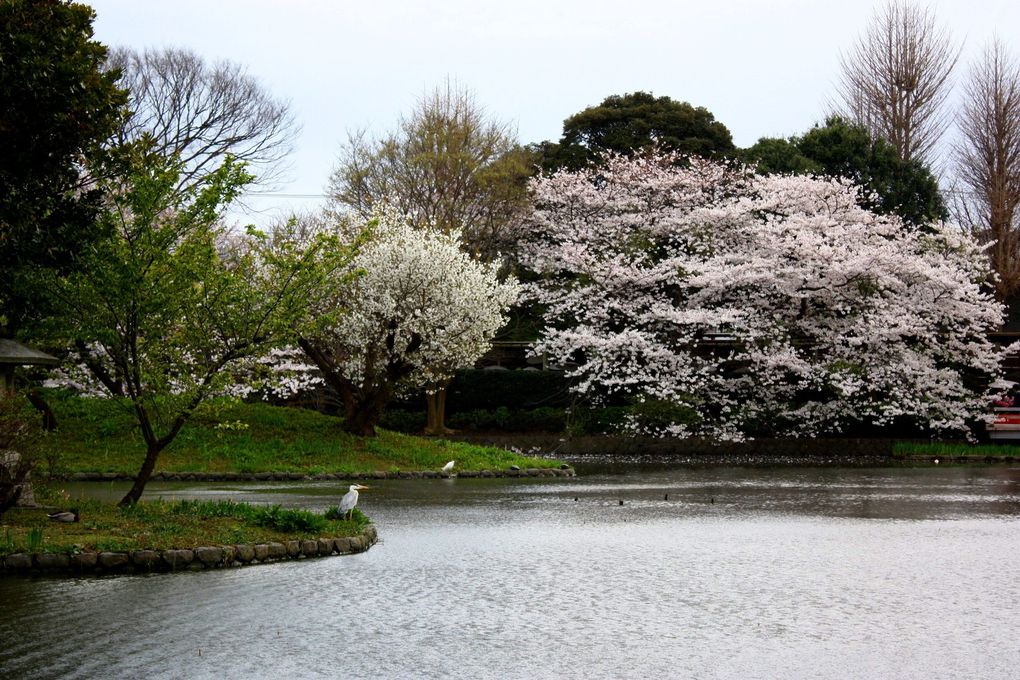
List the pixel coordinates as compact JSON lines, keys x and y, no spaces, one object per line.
{"x":350,"y":499}
{"x":448,"y":467}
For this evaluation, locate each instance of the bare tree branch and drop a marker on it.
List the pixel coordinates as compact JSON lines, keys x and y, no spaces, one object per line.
{"x":988,"y":161}
{"x":205,"y":112}
{"x":896,"y":79}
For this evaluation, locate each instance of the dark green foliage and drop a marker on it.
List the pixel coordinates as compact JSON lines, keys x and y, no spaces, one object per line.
{"x":20,"y":425}
{"x":842,"y":149}
{"x":647,"y":416}
{"x":775,"y":155}
{"x":635,"y":122}
{"x":288,"y":520}
{"x":535,"y":420}
{"x":401,"y":420}
{"x":270,"y":517}
{"x":516,"y":390}
{"x":655,"y":414}
{"x":604,"y":420}
{"x":501,"y":419}
{"x":357,"y":516}
{"x":57,"y":108}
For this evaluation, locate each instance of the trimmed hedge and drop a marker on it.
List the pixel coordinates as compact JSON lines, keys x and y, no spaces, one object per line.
{"x":515,"y":390}
{"x":490,"y":389}
{"x":502,"y":419}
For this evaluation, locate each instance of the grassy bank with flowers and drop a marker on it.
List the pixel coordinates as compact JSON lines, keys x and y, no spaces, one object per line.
{"x":101,"y":435}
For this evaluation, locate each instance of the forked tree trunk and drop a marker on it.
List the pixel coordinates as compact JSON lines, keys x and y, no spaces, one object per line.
{"x":364,"y":406}
{"x":364,"y":412}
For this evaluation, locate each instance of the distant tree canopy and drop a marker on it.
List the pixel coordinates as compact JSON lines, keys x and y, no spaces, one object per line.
{"x":843,"y":149}
{"x":448,"y":165}
{"x":57,"y":107}
{"x":631,"y":122}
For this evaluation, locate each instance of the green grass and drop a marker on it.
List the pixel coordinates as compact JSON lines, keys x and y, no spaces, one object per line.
{"x":163,"y":525}
{"x":950,"y":449}
{"x":101,"y":435}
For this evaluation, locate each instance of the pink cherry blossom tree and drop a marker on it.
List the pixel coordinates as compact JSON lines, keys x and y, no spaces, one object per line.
{"x":772,"y":304}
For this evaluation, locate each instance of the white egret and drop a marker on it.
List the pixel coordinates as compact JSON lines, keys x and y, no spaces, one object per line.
{"x":350,"y":499}
{"x":448,"y":468}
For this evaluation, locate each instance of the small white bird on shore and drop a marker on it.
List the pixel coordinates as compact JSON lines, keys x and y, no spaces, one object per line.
{"x":448,"y":468}
{"x":350,"y":499}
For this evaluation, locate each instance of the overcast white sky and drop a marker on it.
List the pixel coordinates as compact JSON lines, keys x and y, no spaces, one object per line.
{"x":764,"y":68}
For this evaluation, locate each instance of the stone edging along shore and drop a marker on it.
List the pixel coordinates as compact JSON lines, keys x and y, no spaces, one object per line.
{"x":566,"y":471}
{"x":205,"y":557}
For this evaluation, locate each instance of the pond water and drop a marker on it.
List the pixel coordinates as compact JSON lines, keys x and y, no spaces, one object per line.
{"x":700,"y":573}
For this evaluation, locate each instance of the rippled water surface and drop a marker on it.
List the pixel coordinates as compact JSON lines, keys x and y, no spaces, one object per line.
{"x":713,"y":573}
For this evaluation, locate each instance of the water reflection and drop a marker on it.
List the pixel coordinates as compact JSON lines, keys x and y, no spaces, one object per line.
{"x":715,"y":573}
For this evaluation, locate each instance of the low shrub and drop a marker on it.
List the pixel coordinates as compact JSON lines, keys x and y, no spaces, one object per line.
{"x":288,"y":520}
{"x":488,"y":389}
{"x":400,"y":420}
{"x":653,"y":415}
{"x":544,"y":419}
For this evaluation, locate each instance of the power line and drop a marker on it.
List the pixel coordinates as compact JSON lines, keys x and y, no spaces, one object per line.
{"x":271,"y":194}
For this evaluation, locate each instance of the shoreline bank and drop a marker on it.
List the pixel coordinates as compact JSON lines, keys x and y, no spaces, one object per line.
{"x":563,"y":471}
{"x":177,"y":559}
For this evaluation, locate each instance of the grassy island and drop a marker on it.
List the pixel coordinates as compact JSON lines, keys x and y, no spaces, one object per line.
{"x":162,"y":525}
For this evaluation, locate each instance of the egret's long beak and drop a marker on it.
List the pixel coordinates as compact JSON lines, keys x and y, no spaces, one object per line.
{"x":360,"y":487}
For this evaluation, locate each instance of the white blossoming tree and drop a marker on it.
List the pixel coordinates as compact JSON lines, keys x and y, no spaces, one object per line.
{"x":421,"y":309}
{"x":750,"y":304}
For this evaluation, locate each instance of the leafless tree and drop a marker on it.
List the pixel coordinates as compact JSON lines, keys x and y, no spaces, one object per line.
{"x":988,"y":161}
{"x":204,"y":112}
{"x":448,"y":163}
{"x":896,"y":78}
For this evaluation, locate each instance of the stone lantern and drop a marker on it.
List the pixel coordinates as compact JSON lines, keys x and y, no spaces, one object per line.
{"x":14,"y":483}
{"x":14,"y":354}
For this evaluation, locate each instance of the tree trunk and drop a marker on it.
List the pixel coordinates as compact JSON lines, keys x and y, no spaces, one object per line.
{"x":49,"y":420}
{"x":364,"y":412}
{"x":436,"y":421}
{"x":142,"y":478}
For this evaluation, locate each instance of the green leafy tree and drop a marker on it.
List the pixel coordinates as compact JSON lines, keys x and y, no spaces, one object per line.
{"x":843,"y":149}
{"x":168,"y":303}
{"x":57,"y":107}
{"x":448,"y":165}
{"x":632,"y":122}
